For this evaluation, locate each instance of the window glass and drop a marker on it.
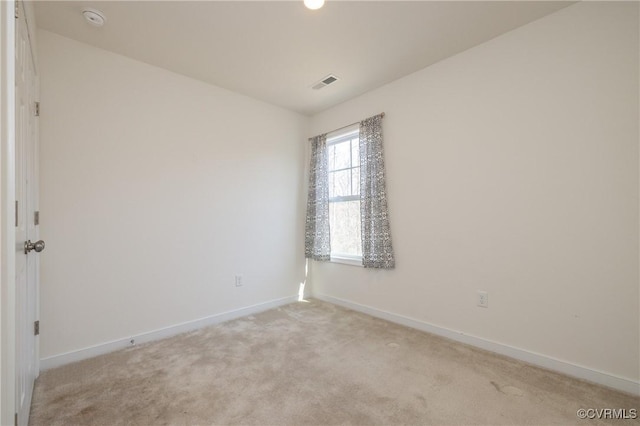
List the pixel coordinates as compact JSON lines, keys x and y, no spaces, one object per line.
{"x":344,"y":194}
{"x":344,"y":217}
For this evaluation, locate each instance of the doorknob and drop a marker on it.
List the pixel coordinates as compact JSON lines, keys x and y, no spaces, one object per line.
{"x":38,"y":246}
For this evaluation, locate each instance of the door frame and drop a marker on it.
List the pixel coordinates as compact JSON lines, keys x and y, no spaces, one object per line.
{"x":7,"y":214}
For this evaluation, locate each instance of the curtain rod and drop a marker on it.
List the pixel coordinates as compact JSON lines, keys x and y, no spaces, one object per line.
{"x":357,"y":122}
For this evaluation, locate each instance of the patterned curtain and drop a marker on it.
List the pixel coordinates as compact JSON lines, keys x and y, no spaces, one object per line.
{"x":316,"y":237}
{"x":377,"y":251}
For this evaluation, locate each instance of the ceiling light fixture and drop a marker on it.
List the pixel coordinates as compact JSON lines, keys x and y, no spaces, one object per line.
{"x":94,"y":17}
{"x":314,"y":4}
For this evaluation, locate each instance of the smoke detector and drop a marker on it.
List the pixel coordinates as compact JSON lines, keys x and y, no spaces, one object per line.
{"x":325,"y":82}
{"x":94,"y":17}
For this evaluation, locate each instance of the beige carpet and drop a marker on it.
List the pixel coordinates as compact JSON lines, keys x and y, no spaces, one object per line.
{"x":312,"y":364}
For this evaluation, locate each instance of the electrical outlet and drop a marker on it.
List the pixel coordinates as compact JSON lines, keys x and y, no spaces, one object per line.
{"x":239,"y":281}
{"x":483,"y":299}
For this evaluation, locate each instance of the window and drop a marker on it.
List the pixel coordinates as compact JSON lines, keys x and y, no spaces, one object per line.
{"x":344,"y":194}
{"x":337,"y":202}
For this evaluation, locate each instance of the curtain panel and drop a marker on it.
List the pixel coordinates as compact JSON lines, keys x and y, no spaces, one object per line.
{"x":377,"y":251}
{"x":317,"y":245}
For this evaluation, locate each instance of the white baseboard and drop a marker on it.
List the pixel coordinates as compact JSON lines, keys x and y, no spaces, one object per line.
{"x":584,"y":373}
{"x":163,"y":333}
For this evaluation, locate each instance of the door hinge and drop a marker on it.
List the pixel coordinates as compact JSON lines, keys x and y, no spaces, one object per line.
{"x":36,"y":218}
{"x":15,"y":419}
{"x":16,"y":9}
{"x":36,"y":328}
{"x":16,"y":213}
{"x":37,"y":112}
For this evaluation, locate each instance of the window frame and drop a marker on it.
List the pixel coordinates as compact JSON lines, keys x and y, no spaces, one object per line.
{"x":334,"y":138}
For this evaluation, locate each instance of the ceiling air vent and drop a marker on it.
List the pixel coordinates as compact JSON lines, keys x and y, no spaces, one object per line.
{"x":325,"y":82}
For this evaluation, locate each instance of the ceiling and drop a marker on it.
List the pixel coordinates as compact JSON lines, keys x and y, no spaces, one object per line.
{"x":276,"y":50}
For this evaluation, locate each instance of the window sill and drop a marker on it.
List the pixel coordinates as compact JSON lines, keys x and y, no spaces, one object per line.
{"x":353,"y":261}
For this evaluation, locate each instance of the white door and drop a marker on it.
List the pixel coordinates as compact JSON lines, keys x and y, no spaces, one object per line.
{"x":26,"y":229}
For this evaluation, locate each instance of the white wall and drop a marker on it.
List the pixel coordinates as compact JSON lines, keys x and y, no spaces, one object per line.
{"x":513,"y":168}
{"x":156,"y":190}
